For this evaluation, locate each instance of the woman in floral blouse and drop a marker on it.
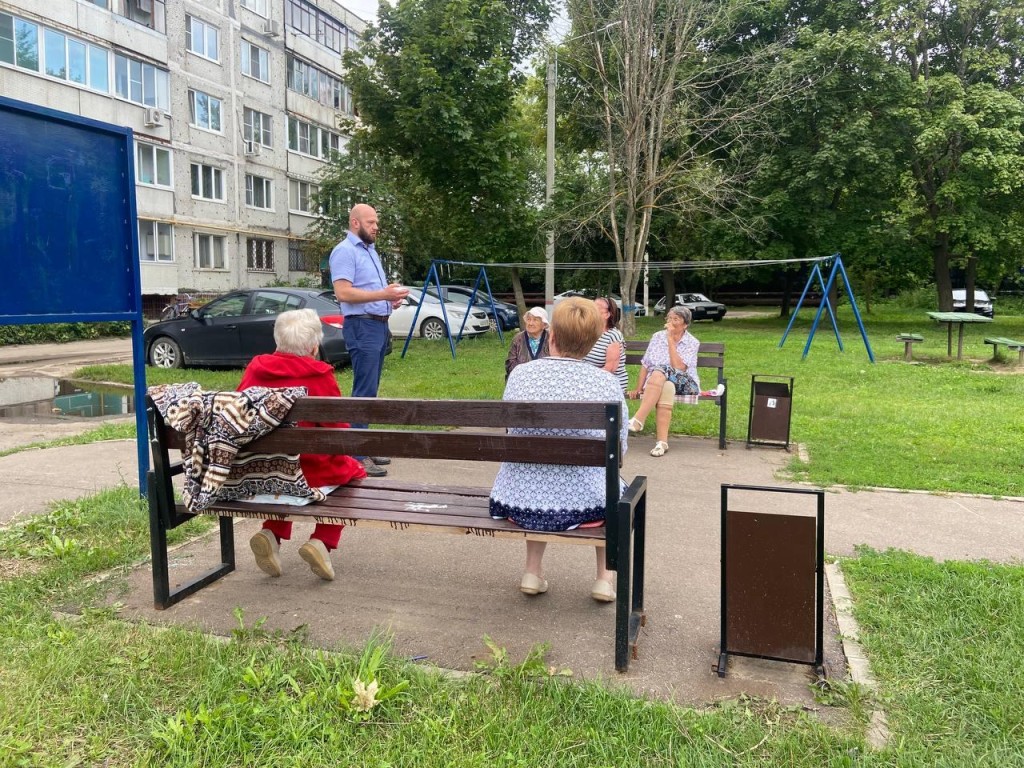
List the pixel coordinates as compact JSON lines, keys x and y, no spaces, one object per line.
{"x":545,"y":497}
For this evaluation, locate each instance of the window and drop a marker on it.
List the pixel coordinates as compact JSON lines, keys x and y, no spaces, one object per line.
{"x":148,"y":13}
{"x":153,"y":165}
{"x":207,"y":182}
{"x":273,"y":302}
{"x":256,"y":126}
{"x":259,"y":257}
{"x":142,"y":83}
{"x":301,"y":195}
{"x":232,"y":305}
{"x":259,"y":6}
{"x":156,"y":241}
{"x":318,"y":85}
{"x":255,"y":62}
{"x":201,"y":38}
{"x":19,"y":42}
{"x":259,"y":192}
{"x":209,"y":251}
{"x":310,"y":21}
{"x":308,"y":139}
{"x":296,"y":257}
{"x":204,"y":111}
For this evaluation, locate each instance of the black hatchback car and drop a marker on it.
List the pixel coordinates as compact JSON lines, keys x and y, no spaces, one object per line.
{"x":232,"y":329}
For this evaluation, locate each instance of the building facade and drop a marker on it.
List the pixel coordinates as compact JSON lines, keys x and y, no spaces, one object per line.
{"x":236,"y":105}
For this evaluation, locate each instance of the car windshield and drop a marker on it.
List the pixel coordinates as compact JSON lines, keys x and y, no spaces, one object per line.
{"x":691,"y":297}
{"x":961,"y":295}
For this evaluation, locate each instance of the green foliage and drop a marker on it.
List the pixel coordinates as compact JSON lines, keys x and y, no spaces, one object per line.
{"x":61,"y":332}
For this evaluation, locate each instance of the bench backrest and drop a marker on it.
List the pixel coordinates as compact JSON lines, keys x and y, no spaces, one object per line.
{"x":710,"y":354}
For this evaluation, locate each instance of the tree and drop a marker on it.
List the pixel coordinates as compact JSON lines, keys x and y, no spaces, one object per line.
{"x":963,"y":134}
{"x":674,"y":112}
{"x":435,"y":85}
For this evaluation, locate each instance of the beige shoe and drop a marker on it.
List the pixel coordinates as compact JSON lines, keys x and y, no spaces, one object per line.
{"x":602,"y":591}
{"x":533,"y":585}
{"x":315,"y":553}
{"x":264,"y":545}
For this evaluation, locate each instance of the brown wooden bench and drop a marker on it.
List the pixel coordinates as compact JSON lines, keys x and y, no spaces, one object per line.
{"x":709,"y":355}
{"x":445,"y":508}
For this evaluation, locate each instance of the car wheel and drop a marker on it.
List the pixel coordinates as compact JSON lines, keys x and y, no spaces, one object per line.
{"x":165,"y":353}
{"x":717,"y":319}
{"x":432,"y":329}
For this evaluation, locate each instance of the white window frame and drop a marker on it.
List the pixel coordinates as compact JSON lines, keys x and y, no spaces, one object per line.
{"x":257,"y":257}
{"x":264,"y":133}
{"x":154,"y":151}
{"x":213,"y":105}
{"x":261,"y":61}
{"x":213,"y":241}
{"x":141,"y":83}
{"x":295,"y":187}
{"x":211,"y":179}
{"x":256,"y":6}
{"x":252,"y":184}
{"x":205,"y":30}
{"x":149,"y":242}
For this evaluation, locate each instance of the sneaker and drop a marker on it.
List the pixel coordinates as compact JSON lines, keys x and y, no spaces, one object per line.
{"x":533,"y":585}
{"x":381,"y":461}
{"x":315,"y":553}
{"x":602,"y":591}
{"x":265,"y":546}
{"x":372,"y":470}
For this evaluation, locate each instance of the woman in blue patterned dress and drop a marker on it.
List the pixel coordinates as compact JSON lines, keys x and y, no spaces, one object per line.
{"x":544,"y":497}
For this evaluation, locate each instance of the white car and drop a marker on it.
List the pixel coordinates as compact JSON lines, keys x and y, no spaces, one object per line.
{"x":586,"y":293}
{"x":430,"y":322}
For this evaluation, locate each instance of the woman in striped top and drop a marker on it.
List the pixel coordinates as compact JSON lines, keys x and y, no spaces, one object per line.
{"x":609,"y":353}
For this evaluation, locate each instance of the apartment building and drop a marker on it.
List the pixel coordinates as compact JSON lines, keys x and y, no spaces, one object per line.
{"x":235,"y":106}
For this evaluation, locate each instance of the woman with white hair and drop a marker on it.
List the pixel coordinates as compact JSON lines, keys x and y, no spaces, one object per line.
{"x":298,"y":334}
{"x":529,"y":344}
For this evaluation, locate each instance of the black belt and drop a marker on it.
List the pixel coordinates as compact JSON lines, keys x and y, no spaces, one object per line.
{"x":378,"y":318}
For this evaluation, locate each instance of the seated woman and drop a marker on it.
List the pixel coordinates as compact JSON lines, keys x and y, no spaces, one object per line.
{"x":530,"y":344}
{"x":668,"y":368}
{"x":609,"y":352}
{"x":298,"y":334}
{"x":544,"y":497}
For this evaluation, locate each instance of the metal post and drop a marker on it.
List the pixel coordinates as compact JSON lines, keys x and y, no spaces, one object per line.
{"x":549,"y":184}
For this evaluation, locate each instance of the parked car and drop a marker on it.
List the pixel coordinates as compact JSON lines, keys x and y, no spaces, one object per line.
{"x":234,"y":328}
{"x":507,"y":316}
{"x":982,"y":302}
{"x":586,"y":293}
{"x":430,"y":322}
{"x":700,"y":306}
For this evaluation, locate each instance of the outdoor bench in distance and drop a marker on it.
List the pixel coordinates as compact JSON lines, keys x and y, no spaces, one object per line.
{"x":400,"y":506}
{"x":709,"y":355}
{"x":995,"y":341}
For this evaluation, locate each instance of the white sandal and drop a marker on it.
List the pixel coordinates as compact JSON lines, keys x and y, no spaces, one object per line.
{"x":635,"y":425}
{"x":659,"y":448}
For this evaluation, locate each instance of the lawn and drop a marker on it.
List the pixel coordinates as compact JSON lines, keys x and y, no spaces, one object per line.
{"x":943,"y":638}
{"x":923,"y":425}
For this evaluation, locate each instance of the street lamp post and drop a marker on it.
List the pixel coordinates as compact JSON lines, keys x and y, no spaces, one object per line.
{"x":549,"y":185}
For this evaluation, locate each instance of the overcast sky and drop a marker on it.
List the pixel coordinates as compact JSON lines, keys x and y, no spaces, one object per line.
{"x":364,"y":9}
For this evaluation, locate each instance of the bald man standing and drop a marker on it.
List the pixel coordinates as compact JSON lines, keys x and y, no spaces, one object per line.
{"x":366,"y":300}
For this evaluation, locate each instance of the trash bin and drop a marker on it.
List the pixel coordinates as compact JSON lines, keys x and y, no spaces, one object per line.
{"x":771,"y":410}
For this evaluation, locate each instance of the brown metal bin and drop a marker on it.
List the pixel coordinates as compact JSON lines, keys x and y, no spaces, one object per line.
{"x":771,"y":410}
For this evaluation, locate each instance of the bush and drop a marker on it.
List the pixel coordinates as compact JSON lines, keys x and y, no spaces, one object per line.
{"x":61,"y":332}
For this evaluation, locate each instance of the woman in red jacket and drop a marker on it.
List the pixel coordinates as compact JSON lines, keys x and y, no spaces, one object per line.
{"x":298,"y":334}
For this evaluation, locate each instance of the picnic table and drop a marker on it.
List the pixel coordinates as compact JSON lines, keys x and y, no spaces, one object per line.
{"x":959,"y":319}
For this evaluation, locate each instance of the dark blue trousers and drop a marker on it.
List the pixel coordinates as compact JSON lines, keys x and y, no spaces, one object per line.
{"x":366,"y":341}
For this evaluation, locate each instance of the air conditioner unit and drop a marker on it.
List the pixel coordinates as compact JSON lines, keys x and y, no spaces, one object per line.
{"x":154,"y":117}
{"x":250,"y":148}
{"x":271,"y":28}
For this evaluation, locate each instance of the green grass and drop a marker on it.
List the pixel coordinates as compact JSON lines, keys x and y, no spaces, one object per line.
{"x":93,"y":690}
{"x":945,"y":642}
{"x":936,"y":424}
{"x":116,"y":430}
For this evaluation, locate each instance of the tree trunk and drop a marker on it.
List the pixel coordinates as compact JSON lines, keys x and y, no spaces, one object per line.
{"x":943,"y":285}
{"x":669,"y":279}
{"x":517,"y":288}
{"x":787,"y":292}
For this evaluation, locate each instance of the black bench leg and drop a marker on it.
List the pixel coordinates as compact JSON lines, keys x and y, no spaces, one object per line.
{"x":158,"y":547}
{"x":623,"y":598}
{"x":637,"y":617}
{"x":721,"y":419}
